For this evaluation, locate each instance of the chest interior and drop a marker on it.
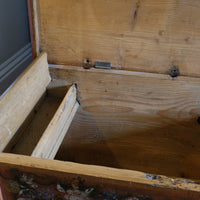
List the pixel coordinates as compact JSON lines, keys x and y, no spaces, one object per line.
{"x":141,"y":114}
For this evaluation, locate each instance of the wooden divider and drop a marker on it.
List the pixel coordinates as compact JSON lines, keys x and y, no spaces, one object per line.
{"x":18,"y":102}
{"x":53,"y":136}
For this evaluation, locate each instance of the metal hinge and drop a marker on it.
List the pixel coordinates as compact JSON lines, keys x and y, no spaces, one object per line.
{"x":103,"y":65}
{"x":87,"y":64}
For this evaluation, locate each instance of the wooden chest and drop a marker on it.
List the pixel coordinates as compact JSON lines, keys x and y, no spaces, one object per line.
{"x":114,"y":112}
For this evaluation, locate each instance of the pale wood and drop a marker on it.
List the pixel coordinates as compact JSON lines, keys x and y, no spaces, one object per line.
{"x":29,"y":134}
{"x":19,"y":135}
{"x":53,"y":136}
{"x":38,"y":123}
{"x":18,"y":102}
{"x":134,"y":35}
{"x":133,"y":120}
{"x":157,"y":187}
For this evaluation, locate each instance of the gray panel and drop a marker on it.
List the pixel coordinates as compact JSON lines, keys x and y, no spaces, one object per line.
{"x":14,"y":31}
{"x":13,"y":67}
{"x":15,"y":47}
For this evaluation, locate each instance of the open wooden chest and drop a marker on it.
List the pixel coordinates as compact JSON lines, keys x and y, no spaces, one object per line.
{"x":114,"y":112}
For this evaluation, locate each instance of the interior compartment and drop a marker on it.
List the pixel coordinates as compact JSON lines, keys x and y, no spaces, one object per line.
{"x":143,"y":114}
{"x":141,"y":121}
{"x":29,"y":134}
{"x":146,"y":121}
{"x":132,"y":120}
{"x":102,"y":139}
{"x":127,"y":120}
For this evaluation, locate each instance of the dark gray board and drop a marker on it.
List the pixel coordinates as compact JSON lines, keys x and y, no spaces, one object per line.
{"x":15,"y":48}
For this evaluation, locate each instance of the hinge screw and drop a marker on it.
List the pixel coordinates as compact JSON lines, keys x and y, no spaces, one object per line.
{"x":87,"y":63}
{"x":174,"y":71}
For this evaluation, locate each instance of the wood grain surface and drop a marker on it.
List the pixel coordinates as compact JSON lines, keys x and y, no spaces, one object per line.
{"x":53,"y":135}
{"x":135,"y":35}
{"x":133,"y":120}
{"x":31,"y":135}
{"x":50,"y":173}
{"x":18,"y":102}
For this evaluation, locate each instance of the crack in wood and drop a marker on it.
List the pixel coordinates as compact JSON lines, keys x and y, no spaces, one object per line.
{"x":135,"y":15}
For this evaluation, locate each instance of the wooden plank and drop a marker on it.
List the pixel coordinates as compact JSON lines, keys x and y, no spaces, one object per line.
{"x":32,"y":133}
{"x":135,"y":35}
{"x":53,"y":136}
{"x":133,"y":120}
{"x":18,"y":102}
{"x":19,"y":135}
{"x":66,"y":178}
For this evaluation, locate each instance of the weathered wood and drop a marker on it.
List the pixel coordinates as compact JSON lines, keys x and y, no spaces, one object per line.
{"x":22,"y":131}
{"x":132,"y":120}
{"x":134,"y":35}
{"x":53,"y":136}
{"x":37,"y":125}
{"x":18,"y":102}
{"x":52,"y":176}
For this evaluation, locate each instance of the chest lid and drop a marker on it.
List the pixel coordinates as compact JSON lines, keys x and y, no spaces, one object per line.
{"x":133,"y":35}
